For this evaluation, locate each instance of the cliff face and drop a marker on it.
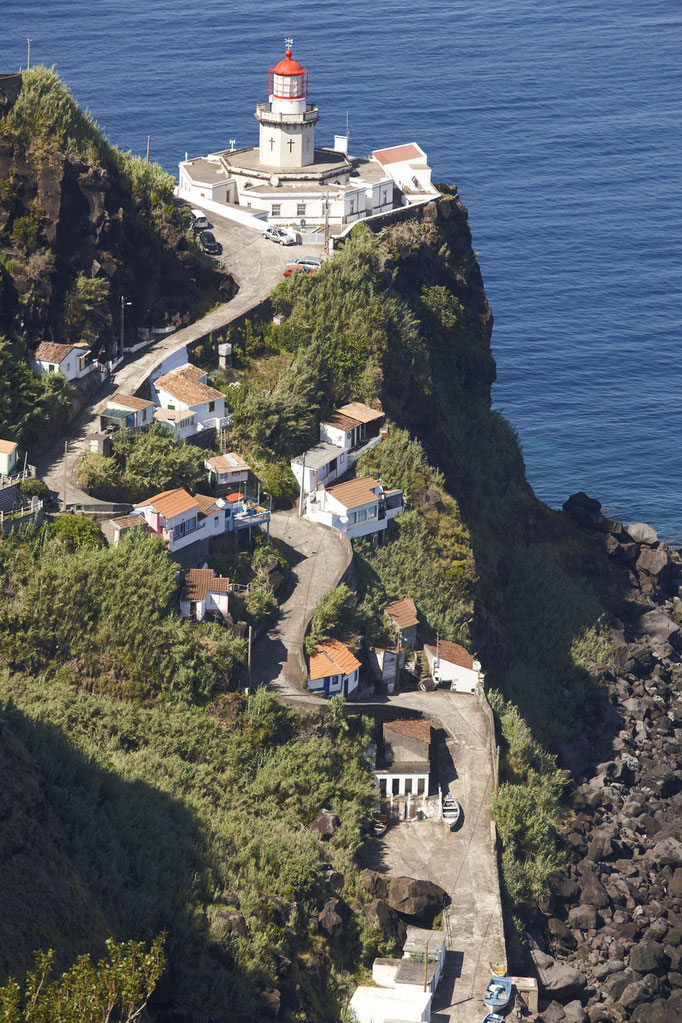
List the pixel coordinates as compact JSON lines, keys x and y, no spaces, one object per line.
{"x":77,"y":233}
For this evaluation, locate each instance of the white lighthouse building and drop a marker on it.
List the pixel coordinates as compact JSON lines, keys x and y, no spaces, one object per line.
{"x":287,"y":180}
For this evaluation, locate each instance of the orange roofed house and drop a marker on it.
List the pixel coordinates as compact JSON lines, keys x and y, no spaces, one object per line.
{"x":356,"y":508}
{"x":406,"y":760}
{"x":333,"y":669}
{"x":204,"y":592}
{"x":74,"y":361}
{"x":192,"y":404}
{"x":450,"y":664}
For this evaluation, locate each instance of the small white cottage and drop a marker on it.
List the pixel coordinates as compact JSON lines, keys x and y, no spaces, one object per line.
{"x":451,"y":664}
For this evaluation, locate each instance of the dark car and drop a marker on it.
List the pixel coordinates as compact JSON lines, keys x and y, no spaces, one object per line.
{"x":209,"y":243}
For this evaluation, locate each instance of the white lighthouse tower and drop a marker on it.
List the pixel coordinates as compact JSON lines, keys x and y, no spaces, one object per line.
{"x":287,"y":121}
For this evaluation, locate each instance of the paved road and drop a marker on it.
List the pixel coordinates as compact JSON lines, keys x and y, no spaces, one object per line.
{"x":462,"y":862}
{"x":318,"y":557}
{"x":256,"y":265}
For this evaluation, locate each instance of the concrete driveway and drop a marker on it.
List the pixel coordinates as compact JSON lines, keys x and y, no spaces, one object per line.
{"x":257,"y":266}
{"x":318,"y":558}
{"x":463,"y":862}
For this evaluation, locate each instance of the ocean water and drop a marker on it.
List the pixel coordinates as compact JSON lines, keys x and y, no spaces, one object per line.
{"x":559,"y":122}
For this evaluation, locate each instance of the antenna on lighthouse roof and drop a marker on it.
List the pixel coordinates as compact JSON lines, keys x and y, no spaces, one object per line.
{"x":289,"y":42}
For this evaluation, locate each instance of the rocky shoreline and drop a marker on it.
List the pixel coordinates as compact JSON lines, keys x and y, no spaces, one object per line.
{"x":607,"y":947}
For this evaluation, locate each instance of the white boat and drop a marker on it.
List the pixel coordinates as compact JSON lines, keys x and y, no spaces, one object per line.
{"x":451,"y":810}
{"x":493,"y":1017}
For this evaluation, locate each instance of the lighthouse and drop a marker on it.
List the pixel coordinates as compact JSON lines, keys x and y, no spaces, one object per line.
{"x":287,"y":121}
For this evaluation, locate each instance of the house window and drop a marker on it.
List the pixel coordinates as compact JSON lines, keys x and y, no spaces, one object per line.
{"x":362,"y":515}
{"x":352,"y":205}
{"x":385,"y":199}
{"x":51,"y":368}
{"x":420,"y":786}
{"x":211,"y":406}
{"x":300,"y":209}
{"x":276,"y":209}
{"x":396,"y":786}
{"x":372,"y":512}
{"x":352,"y":517}
{"x":185,"y":527}
{"x":408,"y":786}
{"x":171,"y":408}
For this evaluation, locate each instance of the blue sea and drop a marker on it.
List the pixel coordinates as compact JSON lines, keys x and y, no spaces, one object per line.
{"x":560,"y":122}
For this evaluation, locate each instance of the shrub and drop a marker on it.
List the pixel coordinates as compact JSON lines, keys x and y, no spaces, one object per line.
{"x":33,"y":487}
{"x":335,"y":616}
{"x":76,"y":531}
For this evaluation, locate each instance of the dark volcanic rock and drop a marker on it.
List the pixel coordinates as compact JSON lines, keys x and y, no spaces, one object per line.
{"x":387,"y":920}
{"x":648,"y":957}
{"x":558,"y":979}
{"x":326,"y":824}
{"x":420,"y":899}
{"x":330,"y":920}
{"x":640,"y":532}
{"x":374,"y":883}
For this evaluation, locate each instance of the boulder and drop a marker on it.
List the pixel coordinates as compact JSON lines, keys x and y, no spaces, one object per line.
{"x":583,"y":509}
{"x":667,"y":852}
{"x":592,"y":891}
{"x":640,"y":532}
{"x":574,"y":1012}
{"x":648,"y":957}
{"x":420,"y":899}
{"x":558,"y":979}
{"x":387,"y":920}
{"x":561,"y":933}
{"x":554,"y":1013}
{"x":658,"y":623}
{"x":613,"y":988}
{"x":584,"y":917}
{"x":231,"y":921}
{"x":271,"y":1000}
{"x":330,"y":920}
{"x":326,"y":824}
{"x":652,"y":562}
{"x":374,"y":883}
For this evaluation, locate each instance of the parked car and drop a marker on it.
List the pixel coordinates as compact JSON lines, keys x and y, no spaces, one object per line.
{"x":280,"y":235}
{"x":298,"y":270}
{"x":200,"y":221}
{"x":209,"y":243}
{"x":315,"y":261}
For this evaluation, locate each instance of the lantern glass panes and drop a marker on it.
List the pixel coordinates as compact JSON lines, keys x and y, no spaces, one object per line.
{"x":288,"y":86}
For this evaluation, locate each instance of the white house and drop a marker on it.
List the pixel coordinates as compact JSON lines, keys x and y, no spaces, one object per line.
{"x":320,"y":464}
{"x":182,"y":519}
{"x":186,"y":390}
{"x":333,"y":669}
{"x":180,"y":422}
{"x":383,"y":662}
{"x":357,"y":507}
{"x":406,"y":763}
{"x":403,"y":617}
{"x":204,"y":592}
{"x":450,"y":662}
{"x":124,"y":411}
{"x":390,"y":1005}
{"x":228,"y":470}
{"x":408,"y":167}
{"x":123,"y":524}
{"x":288,"y":179}
{"x":351,"y":425}
{"x":8,"y":457}
{"x":74,"y":361}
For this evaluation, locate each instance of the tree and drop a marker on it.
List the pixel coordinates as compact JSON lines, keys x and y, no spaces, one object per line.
{"x":78,"y":531}
{"x":334,"y":616}
{"x":115,"y":988}
{"x":33,"y":487}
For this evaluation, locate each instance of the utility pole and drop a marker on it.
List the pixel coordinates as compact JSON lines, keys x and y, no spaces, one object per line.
{"x":29,"y":41}
{"x":397,"y":661}
{"x":66,"y":451}
{"x":300,"y":500}
{"x":326,"y":223}
{"x":426,"y":960}
{"x":149,"y":139}
{"x":248,"y":661}
{"x":122,"y":324}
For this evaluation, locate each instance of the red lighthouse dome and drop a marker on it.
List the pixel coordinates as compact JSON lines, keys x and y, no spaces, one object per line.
{"x":288,"y":80}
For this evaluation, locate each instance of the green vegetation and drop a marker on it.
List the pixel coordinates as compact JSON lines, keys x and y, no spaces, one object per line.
{"x":150,"y":816}
{"x":33,"y":487}
{"x":429,"y":557}
{"x":82,"y":300}
{"x":116,"y":988}
{"x":67,"y":605}
{"x":142,"y":464}
{"x":334,"y":617}
{"x":33,"y":410}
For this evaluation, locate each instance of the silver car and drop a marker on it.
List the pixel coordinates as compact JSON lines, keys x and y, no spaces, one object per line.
{"x":280,"y":235}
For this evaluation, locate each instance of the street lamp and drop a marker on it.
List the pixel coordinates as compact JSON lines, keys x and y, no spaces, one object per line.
{"x":124,"y":303}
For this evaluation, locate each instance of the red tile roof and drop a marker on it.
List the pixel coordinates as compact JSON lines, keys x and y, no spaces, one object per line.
{"x":331,"y":658}
{"x":396,"y":154}
{"x":354,"y":493}
{"x":420,"y":730}
{"x":205,"y":504}
{"x":453,"y":653}
{"x":184,"y":384}
{"x":341,"y":422}
{"x":50,"y":351}
{"x":8,"y":446}
{"x":128,"y":401}
{"x":402,"y":612}
{"x":130,"y":521}
{"x":200,"y":581}
{"x":170,"y":502}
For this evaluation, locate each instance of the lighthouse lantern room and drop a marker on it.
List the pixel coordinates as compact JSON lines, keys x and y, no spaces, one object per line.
{"x":287,"y":120}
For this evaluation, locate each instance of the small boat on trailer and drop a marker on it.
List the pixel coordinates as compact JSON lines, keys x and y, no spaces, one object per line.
{"x":380,"y":823}
{"x":498,"y":992}
{"x":493,"y":1017}
{"x":451,"y":810}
